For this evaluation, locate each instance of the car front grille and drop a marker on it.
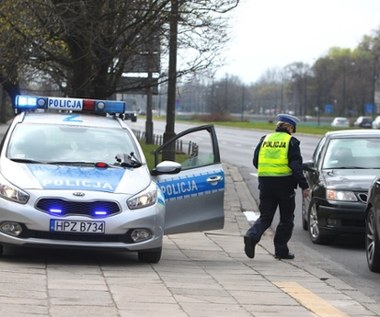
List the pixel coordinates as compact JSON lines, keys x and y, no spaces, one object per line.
{"x":61,"y":207}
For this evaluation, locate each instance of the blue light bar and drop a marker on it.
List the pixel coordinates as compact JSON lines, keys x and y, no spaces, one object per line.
{"x":24,"y":103}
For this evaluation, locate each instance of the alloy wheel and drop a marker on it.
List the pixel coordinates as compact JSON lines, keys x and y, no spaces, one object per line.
{"x":372,"y":243}
{"x":313,"y":223}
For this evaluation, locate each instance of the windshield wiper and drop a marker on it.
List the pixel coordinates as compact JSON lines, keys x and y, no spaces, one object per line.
{"x":19,"y":160}
{"x":76,"y":163}
{"x":127,"y":160}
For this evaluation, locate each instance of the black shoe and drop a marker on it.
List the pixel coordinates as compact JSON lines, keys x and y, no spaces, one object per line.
{"x":289,"y":256}
{"x":249,"y":247}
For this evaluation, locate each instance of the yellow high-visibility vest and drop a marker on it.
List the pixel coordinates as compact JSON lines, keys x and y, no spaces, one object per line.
{"x":273,"y":155}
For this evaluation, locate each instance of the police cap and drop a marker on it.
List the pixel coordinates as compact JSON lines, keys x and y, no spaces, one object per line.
{"x":288,"y":118}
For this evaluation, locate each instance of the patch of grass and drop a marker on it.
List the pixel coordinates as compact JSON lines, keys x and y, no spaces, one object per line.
{"x":148,"y":152}
{"x":259,"y":125}
{"x":315,"y":130}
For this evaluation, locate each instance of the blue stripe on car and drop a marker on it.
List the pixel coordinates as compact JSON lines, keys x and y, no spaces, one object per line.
{"x":194,"y":185}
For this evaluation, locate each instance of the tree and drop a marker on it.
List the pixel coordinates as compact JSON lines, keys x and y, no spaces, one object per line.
{"x":196,"y":15}
{"x":299,"y":74}
{"x":84,"y":47}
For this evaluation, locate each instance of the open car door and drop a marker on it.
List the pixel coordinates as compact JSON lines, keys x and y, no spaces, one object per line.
{"x":194,"y":196}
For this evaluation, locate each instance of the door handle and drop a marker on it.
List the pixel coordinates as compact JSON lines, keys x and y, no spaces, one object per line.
{"x":213,"y":180}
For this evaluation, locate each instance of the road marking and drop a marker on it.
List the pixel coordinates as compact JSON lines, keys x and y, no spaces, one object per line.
{"x":251,"y":216}
{"x":311,"y":301}
{"x":253,"y":174}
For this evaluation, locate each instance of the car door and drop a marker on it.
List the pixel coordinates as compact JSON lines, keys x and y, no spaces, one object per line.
{"x":312,"y":173}
{"x":194,"y":196}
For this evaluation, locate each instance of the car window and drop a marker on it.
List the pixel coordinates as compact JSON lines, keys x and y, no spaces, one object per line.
{"x":318,"y":151}
{"x":193,"y":150}
{"x":50,"y":143}
{"x":350,"y":152}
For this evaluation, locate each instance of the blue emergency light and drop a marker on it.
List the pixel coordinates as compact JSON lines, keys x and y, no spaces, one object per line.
{"x":27,"y":103}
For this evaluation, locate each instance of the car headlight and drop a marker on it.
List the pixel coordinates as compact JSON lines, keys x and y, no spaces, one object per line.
{"x":11,"y":192}
{"x":144,"y":199}
{"x":340,"y":195}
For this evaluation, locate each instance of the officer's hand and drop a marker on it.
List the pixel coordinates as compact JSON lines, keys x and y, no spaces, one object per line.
{"x":306,"y":192}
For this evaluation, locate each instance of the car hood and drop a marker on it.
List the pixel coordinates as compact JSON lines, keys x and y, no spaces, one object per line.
{"x":358,"y":179}
{"x":67,"y":177}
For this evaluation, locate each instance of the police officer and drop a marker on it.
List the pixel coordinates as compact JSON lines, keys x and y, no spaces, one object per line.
{"x":278,"y":160}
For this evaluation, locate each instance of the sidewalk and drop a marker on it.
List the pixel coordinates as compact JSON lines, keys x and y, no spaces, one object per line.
{"x":264,"y":286}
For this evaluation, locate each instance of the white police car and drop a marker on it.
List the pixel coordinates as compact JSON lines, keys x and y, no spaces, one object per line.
{"x":71,"y":178}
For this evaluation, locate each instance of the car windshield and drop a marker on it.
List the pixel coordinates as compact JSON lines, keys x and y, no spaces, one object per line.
{"x":69,"y":144}
{"x":353,"y":153}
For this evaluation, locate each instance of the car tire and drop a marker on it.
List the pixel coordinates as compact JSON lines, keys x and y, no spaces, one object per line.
{"x":372,"y":243}
{"x":151,"y":256}
{"x":316,"y":234}
{"x":134,"y":119}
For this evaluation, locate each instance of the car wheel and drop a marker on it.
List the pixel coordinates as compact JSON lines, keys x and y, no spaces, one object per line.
{"x":372,"y":243}
{"x":317,"y":235}
{"x":152,"y":256}
{"x":134,"y":119}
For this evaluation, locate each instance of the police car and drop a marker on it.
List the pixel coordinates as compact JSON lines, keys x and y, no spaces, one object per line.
{"x":72,"y":174}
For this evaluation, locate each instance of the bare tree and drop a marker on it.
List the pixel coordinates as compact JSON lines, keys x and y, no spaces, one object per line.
{"x":85,"y":46}
{"x":299,"y":74}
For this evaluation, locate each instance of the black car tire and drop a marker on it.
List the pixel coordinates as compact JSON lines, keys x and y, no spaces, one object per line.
{"x":317,"y":235}
{"x":151,"y":256}
{"x":372,"y":243}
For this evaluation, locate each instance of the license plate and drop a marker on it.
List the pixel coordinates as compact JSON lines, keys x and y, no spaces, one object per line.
{"x":77,"y":226}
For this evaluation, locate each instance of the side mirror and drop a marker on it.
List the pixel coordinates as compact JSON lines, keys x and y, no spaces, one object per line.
{"x":309,"y":166}
{"x":166,"y":167}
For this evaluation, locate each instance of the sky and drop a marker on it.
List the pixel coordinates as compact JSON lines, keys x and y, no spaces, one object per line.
{"x":269,"y":34}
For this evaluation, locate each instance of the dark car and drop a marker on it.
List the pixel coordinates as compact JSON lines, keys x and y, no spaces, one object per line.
{"x":340,"y":173}
{"x":372,"y":221}
{"x":363,"y":122}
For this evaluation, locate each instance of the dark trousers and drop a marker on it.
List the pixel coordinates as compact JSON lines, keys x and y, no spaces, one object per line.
{"x":271,"y":197}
